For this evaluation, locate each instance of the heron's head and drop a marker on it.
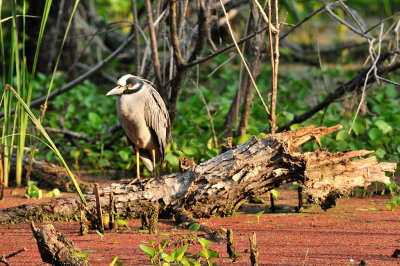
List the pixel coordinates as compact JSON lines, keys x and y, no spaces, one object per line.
{"x":127,"y":84}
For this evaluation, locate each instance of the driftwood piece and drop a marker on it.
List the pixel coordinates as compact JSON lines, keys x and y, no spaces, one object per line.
{"x":220,"y":185}
{"x":54,"y":247}
{"x":3,"y":258}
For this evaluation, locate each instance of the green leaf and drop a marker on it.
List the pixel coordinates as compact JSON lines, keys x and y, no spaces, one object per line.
{"x":342,"y":135}
{"x":180,"y":252}
{"x":209,"y":254}
{"x":295,"y":126}
{"x":383,"y":126}
{"x":81,"y":255}
{"x":243,"y":139}
{"x":122,"y":222}
{"x":374,"y":133}
{"x":124,"y":155}
{"x":115,"y":261}
{"x":274,"y":193}
{"x":373,"y":209}
{"x":258,"y":214}
{"x":194,"y":227}
{"x":172,"y":159}
{"x":95,"y":119}
{"x":212,"y":254}
{"x":150,"y":252}
{"x":358,"y":128}
{"x":380,"y":152}
{"x":204,"y":242}
{"x":168,"y":258}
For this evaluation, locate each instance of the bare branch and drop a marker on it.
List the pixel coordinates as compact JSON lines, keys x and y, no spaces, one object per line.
{"x":153,"y":42}
{"x":69,"y":133}
{"x":349,"y":86}
{"x":174,"y":35}
{"x":244,"y":61}
{"x":136,"y":31}
{"x":83,"y":77}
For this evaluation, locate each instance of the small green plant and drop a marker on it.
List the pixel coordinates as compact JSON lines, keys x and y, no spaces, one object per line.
{"x":205,"y":252}
{"x":115,"y":261}
{"x":159,"y":256}
{"x":258,"y":215}
{"x":394,"y":203}
{"x":33,"y":191}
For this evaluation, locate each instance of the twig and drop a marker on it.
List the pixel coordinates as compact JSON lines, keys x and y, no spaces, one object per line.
{"x":274,"y":53}
{"x":3,"y":258}
{"x":340,"y":20}
{"x":202,"y":26}
{"x":373,"y":69}
{"x":179,"y":61}
{"x":100,"y":223}
{"x":244,"y":60}
{"x":298,"y":24}
{"x":136,"y":31}
{"x":196,"y":85}
{"x":153,"y":43}
{"x":111,"y":223}
{"x":69,"y":133}
{"x":230,"y":245}
{"x":253,"y":249}
{"x":246,"y":90}
{"x":270,"y":25}
{"x":81,"y":78}
{"x":349,"y":86}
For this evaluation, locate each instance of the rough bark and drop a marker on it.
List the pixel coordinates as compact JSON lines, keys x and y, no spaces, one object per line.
{"x":220,"y":185}
{"x":54,"y":247}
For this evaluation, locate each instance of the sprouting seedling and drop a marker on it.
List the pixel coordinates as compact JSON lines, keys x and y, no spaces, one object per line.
{"x":257,"y":215}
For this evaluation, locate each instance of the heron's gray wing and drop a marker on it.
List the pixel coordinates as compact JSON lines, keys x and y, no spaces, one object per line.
{"x":157,"y":118}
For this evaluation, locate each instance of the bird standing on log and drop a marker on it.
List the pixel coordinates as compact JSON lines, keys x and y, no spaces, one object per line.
{"x":144,"y":118}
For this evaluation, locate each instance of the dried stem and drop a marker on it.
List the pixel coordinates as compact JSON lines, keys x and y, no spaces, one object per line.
{"x":196,"y":85}
{"x":174,"y":34}
{"x":153,"y":43}
{"x":274,"y":53}
{"x":136,"y":31}
{"x":243,"y":59}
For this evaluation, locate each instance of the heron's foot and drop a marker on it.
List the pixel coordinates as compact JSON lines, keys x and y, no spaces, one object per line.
{"x":135,"y":180}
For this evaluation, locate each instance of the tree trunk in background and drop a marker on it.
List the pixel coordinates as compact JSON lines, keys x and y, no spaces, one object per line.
{"x":54,"y":32}
{"x":254,"y":50}
{"x":244,"y":96}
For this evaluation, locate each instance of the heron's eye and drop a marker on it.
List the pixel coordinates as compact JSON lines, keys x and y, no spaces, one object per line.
{"x":128,"y":86}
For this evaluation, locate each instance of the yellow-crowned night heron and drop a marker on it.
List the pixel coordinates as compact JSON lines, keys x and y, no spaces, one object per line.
{"x":144,"y":118}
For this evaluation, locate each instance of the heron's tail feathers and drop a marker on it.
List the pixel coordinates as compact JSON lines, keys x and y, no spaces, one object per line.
{"x":147,"y":162}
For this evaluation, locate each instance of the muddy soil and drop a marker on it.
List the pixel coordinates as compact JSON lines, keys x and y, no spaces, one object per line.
{"x":356,"y":229}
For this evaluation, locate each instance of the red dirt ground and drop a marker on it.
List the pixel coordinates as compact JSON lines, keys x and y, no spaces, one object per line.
{"x":356,"y":229}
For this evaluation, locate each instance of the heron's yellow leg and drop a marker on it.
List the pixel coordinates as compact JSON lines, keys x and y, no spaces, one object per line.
{"x":153,"y":155}
{"x":137,"y":163}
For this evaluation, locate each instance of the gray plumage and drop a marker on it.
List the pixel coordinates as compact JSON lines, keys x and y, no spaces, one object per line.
{"x":143,"y":116}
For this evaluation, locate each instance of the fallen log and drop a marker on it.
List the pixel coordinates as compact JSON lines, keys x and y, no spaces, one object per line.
{"x":220,"y":185}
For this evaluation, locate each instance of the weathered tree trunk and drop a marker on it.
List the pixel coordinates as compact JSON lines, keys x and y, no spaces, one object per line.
{"x":220,"y":185}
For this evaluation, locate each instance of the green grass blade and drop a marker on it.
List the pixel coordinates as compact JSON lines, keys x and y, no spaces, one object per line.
{"x":51,"y":143}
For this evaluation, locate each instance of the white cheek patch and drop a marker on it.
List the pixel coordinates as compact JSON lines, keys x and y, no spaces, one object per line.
{"x":135,"y":86}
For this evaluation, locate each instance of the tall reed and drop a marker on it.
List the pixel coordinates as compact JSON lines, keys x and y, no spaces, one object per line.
{"x":16,"y":72}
